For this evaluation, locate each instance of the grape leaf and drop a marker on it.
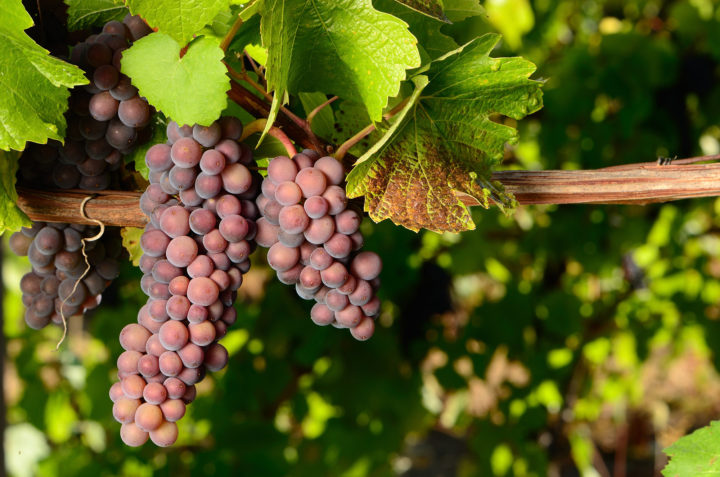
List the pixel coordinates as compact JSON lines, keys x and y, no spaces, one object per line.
{"x":324,"y":121}
{"x":179,"y":19}
{"x":11,"y":217}
{"x":426,"y":29}
{"x":34,"y":84}
{"x":459,"y":10}
{"x":191,"y":89}
{"x":695,"y":454}
{"x":131,"y":242}
{"x":90,"y":13}
{"x":431,"y":8}
{"x":340,"y":47}
{"x":444,"y":144}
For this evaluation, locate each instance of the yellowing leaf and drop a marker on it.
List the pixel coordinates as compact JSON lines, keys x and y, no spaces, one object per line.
{"x":444,"y":144}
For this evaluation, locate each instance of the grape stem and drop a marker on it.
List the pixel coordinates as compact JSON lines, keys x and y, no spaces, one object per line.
{"x":258,"y":126}
{"x":319,"y":108}
{"x":347,"y":145}
{"x":87,"y":262}
{"x":231,"y":34}
{"x":300,"y":122}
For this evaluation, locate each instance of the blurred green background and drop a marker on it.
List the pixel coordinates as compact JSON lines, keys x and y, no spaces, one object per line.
{"x":562,"y":341}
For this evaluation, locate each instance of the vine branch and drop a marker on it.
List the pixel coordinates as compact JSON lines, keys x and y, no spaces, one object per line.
{"x":640,"y":183}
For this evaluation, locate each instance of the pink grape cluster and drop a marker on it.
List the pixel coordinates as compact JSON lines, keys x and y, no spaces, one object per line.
{"x":55,"y":283}
{"x":195,"y":252}
{"x":314,"y":239}
{"x":106,"y":118}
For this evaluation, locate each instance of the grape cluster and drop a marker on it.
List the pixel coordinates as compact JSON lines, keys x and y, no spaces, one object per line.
{"x":195,"y":251}
{"x":314,"y":239}
{"x":105,"y":120}
{"x":55,"y":284}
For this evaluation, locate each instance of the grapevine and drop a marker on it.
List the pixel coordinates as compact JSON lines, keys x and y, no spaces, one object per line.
{"x":239,"y":153}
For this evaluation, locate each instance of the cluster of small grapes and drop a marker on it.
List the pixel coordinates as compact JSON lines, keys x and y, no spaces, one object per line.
{"x":55,"y":284}
{"x":195,"y":252}
{"x":313,"y":238}
{"x":106,"y":118}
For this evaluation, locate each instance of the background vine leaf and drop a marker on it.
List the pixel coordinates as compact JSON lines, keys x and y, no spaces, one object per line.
{"x":446,"y":143}
{"x":34,"y":84}
{"x":432,"y":8}
{"x":340,"y":47}
{"x":695,"y":454}
{"x":90,"y":13}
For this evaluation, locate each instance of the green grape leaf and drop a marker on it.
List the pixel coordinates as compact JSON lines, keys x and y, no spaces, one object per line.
{"x":11,"y":217}
{"x":131,"y":241}
{"x":341,"y":47}
{"x":443,"y":144}
{"x":191,"y":89}
{"x":93,"y":13}
{"x":34,"y":84}
{"x":695,"y":454}
{"x":426,"y":29}
{"x":431,"y":8}
{"x":459,"y":10}
{"x":179,"y":19}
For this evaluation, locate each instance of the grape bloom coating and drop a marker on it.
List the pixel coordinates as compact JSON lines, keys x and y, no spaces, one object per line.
{"x":314,"y":241}
{"x":200,"y":202}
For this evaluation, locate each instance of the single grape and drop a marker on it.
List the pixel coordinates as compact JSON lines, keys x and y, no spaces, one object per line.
{"x":207,"y":136}
{"x":236,"y":178}
{"x":335,"y":275}
{"x":174,"y":221}
{"x":227,"y":205}
{"x":202,"y":266}
{"x":231,"y":127}
{"x":202,"y":291}
{"x":103,"y":107}
{"x":173,"y":409}
{"x":158,"y":157}
{"x":124,"y":408}
{"x":48,"y":241}
{"x":364,"y":330}
{"x":133,"y":386}
{"x":287,"y":193}
{"x":212,"y":162}
{"x":310,"y":278}
{"x":123,"y":89}
{"x":134,"y":112}
{"x":207,"y":186}
{"x":120,"y":136}
{"x":177,"y":307}
{"x":191,"y":355}
{"x":321,"y":315}
{"x":372,"y":308}
{"x":311,"y":181}
{"x":366,"y":265}
{"x":233,"y":228}
{"x":230,"y":150}
{"x":148,"y":366}
{"x":90,"y":129}
{"x":185,"y":152}
{"x":281,"y":169}
{"x":216,"y":357}
{"x":214,"y":242}
{"x":165,"y":435}
{"x":106,"y":77}
{"x":320,"y":230}
{"x":181,"y":251}
{"x":170,"y":363}
{"x":349,"y":316}
{"x":316,"y":207}
{"x":336,"y":199}
{"x":173,"y":335}
{"x":338,"y":246}
{"x":182,"y":178}
{"x":178,"y":285}
{"x":332,"y":168}
{"x":293,"y":219}
{"x":133,"y":337}
{"x":282,"y":258}
{"x":155,"y":243}
{"x":335,"y":300}
{"x":155,"y":393}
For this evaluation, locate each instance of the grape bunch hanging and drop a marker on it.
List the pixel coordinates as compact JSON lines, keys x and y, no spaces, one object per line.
{"x":208,"y":208}
{"x":106,"y":120}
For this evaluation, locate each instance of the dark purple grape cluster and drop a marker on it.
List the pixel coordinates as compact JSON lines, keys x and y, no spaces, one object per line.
{"x":195,"y":251}
{"x":106,"y":118}
{"x":314,"y":240}
{"x":55,"y":284}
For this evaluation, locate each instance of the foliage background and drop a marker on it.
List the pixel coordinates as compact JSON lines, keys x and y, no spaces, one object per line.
{"x":574,"y":340}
